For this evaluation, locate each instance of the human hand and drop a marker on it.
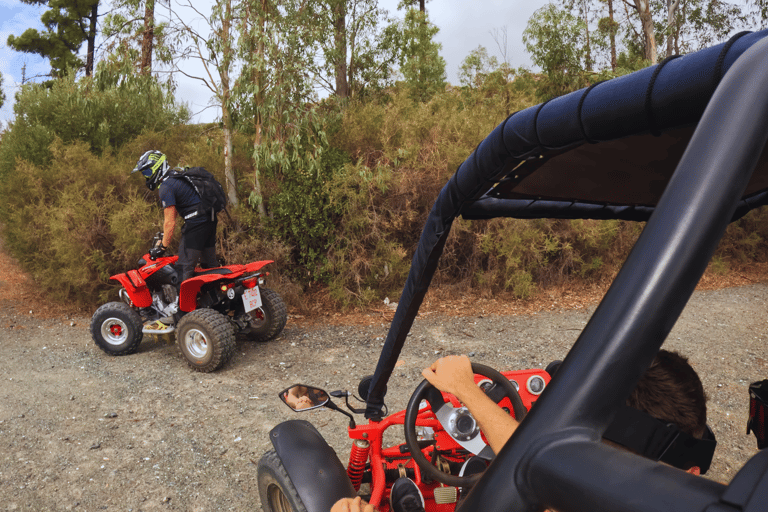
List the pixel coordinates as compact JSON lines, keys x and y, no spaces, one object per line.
{"x":451,"y":374}
{"x":156,"y":252}
{"x":352,"y":505}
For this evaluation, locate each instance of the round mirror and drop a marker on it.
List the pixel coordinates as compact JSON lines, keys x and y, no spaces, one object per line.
{"x":301,"y":398}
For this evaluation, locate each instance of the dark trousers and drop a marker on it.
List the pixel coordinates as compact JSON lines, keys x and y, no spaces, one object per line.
{"x":198,"y":245}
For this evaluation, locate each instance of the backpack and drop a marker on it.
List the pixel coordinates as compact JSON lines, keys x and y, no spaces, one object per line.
{"x":212,"y":196}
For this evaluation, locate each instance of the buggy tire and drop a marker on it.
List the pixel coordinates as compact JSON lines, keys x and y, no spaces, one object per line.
{"x":116,"y":329}
{"x":269,"y":320}
{"x":276,"y":490}
{"x":206,"y":339}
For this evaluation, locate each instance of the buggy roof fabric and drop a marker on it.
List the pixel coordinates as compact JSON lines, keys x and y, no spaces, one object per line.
{"x":603,"y":152}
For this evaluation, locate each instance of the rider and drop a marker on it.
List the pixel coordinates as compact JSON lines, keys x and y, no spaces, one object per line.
{"x":669,"y":391}
{"x":179,"y":199}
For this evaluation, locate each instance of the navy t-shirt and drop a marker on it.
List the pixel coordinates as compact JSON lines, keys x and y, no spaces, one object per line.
{"x":177,"y":192}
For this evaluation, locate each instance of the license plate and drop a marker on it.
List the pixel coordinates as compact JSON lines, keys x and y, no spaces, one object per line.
{"x":251,"y":299}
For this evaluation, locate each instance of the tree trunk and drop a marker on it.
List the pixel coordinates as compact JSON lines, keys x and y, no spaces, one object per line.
{"x":93,"y":18}
{"x":646,"y":19}
{"x":422,"y":7}
{"x":148,"y":39}
{"x":612,"y":35}
{"x":671,"y":24}
{"x":226,"y":113}
{"x":340,"y":39}
{"x":258,"y":80}
{"x":588,"y":63}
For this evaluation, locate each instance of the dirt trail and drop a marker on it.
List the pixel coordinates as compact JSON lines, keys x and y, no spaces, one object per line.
{"x":80,"y":430}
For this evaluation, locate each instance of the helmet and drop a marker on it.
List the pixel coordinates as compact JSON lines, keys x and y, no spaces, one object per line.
{"x":153,"y":166}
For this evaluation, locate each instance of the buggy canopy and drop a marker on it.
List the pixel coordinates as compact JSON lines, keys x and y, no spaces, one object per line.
{"x":604,"y":152}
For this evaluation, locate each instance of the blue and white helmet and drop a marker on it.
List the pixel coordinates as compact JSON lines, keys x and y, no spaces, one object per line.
{"x":153,"y":165}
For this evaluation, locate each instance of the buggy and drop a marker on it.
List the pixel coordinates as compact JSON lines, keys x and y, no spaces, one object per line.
{"x":680,"y":145}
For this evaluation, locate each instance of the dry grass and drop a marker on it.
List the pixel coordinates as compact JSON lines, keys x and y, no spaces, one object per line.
{"x":18,"y":291}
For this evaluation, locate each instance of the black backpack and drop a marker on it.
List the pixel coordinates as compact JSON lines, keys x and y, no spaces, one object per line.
{"x":212,"y":196}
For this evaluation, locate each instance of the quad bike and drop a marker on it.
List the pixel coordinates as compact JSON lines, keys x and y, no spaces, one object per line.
{"x":440,"y":435}
{"x":680,"y":145}
{"x":209,"y":309}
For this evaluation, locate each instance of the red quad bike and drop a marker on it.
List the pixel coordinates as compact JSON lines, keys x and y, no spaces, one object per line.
{"x":441,"y":435}
{"x":210,"y":308}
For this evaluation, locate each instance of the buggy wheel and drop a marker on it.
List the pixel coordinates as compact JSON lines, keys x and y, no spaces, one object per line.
{"x":116,"y":328}
{"x":206,"y":339}
{"x":276,"y":490}
{"x":269,"y":320}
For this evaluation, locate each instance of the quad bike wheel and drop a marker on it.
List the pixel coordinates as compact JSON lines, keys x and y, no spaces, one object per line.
{"x":116,"y":329}
{"x":276,"y":490}
{"x":269,"y":320}
{"x":206,"y":339}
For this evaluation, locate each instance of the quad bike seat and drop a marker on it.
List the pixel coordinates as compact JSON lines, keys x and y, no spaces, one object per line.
{"x":207,"y":271}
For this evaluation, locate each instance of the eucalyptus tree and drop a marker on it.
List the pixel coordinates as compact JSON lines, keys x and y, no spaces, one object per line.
{"x":413,"y":3}
{"x":216,"y":50}
{"x":555,"y":41}
{"x":68,"y":24}
{"x":279,"y":108}
{"x":133,"y":31}
{"x":419,"y":55}
{"x":355,"y":49}
{"x":476,"y":66}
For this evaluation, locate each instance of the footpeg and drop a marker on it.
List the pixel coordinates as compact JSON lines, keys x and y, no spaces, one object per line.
{"x":157,"y":327}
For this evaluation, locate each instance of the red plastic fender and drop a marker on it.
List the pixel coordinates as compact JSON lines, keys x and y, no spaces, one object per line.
{"x":191,"y":287}
{"x":136,"y":287}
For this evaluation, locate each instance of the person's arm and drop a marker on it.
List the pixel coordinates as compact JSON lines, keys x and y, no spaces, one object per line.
{"x":453,"y":374}
{"x":169,"y":224}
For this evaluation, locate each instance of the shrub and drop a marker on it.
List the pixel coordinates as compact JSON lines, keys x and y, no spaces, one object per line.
{"x":102,"y":112}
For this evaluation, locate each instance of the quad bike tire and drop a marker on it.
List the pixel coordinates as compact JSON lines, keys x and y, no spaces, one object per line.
{"x":116,"y":329}
{"x":276,"y":490}
{"x":269,"y":320}
{"x":206,"y":339}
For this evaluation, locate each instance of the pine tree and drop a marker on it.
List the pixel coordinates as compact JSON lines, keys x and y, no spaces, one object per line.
{"x":68,"y":24}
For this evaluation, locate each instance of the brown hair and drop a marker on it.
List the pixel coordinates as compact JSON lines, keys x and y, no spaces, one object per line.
{"x":671,"y":391}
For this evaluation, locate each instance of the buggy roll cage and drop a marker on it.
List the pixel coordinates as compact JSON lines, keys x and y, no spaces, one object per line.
{"x":674,"y":144}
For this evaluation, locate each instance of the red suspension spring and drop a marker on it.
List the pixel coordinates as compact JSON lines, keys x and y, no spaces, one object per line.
{"x":357,"y":459}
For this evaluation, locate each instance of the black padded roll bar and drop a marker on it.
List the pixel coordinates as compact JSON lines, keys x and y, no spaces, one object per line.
{"x":555,"y":459}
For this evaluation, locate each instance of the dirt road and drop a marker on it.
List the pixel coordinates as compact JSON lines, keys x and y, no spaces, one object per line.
{"x":80,"y":430}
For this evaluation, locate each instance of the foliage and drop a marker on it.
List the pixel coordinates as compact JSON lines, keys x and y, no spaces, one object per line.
{"x":68,"y":25}
{"x":63,"y":230}
{"x":554,"y":39}
{"x":354,"y":40}
{"x":103,"y":111}
{"x":2,"y":93}
{"x":123,"y":32}
{"x":420,"y":60}
{"x":476,"y":67}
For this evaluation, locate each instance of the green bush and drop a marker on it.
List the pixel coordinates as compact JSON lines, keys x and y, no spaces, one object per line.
{"x":104,"y":112}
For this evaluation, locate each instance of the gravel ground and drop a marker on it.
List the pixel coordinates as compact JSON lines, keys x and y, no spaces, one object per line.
{"x":80,"y":430}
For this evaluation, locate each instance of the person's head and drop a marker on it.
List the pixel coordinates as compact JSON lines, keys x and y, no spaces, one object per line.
{"x":671,"y":391}
{"x":665,"y":417}
{"x":153,"y":165}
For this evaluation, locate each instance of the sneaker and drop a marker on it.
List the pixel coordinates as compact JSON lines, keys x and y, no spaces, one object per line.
{"x":405,"y":496}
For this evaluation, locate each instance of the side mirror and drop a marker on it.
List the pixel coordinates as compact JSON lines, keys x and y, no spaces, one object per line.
{"x":301,"y":398}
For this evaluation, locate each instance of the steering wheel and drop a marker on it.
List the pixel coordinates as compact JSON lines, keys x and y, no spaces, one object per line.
{"x":458,"y":423}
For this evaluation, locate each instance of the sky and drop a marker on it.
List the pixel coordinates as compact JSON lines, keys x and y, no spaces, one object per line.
{"x":464,"y":25}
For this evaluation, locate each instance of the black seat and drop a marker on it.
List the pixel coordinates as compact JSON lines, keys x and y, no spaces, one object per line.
{"x":213,"y":271}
